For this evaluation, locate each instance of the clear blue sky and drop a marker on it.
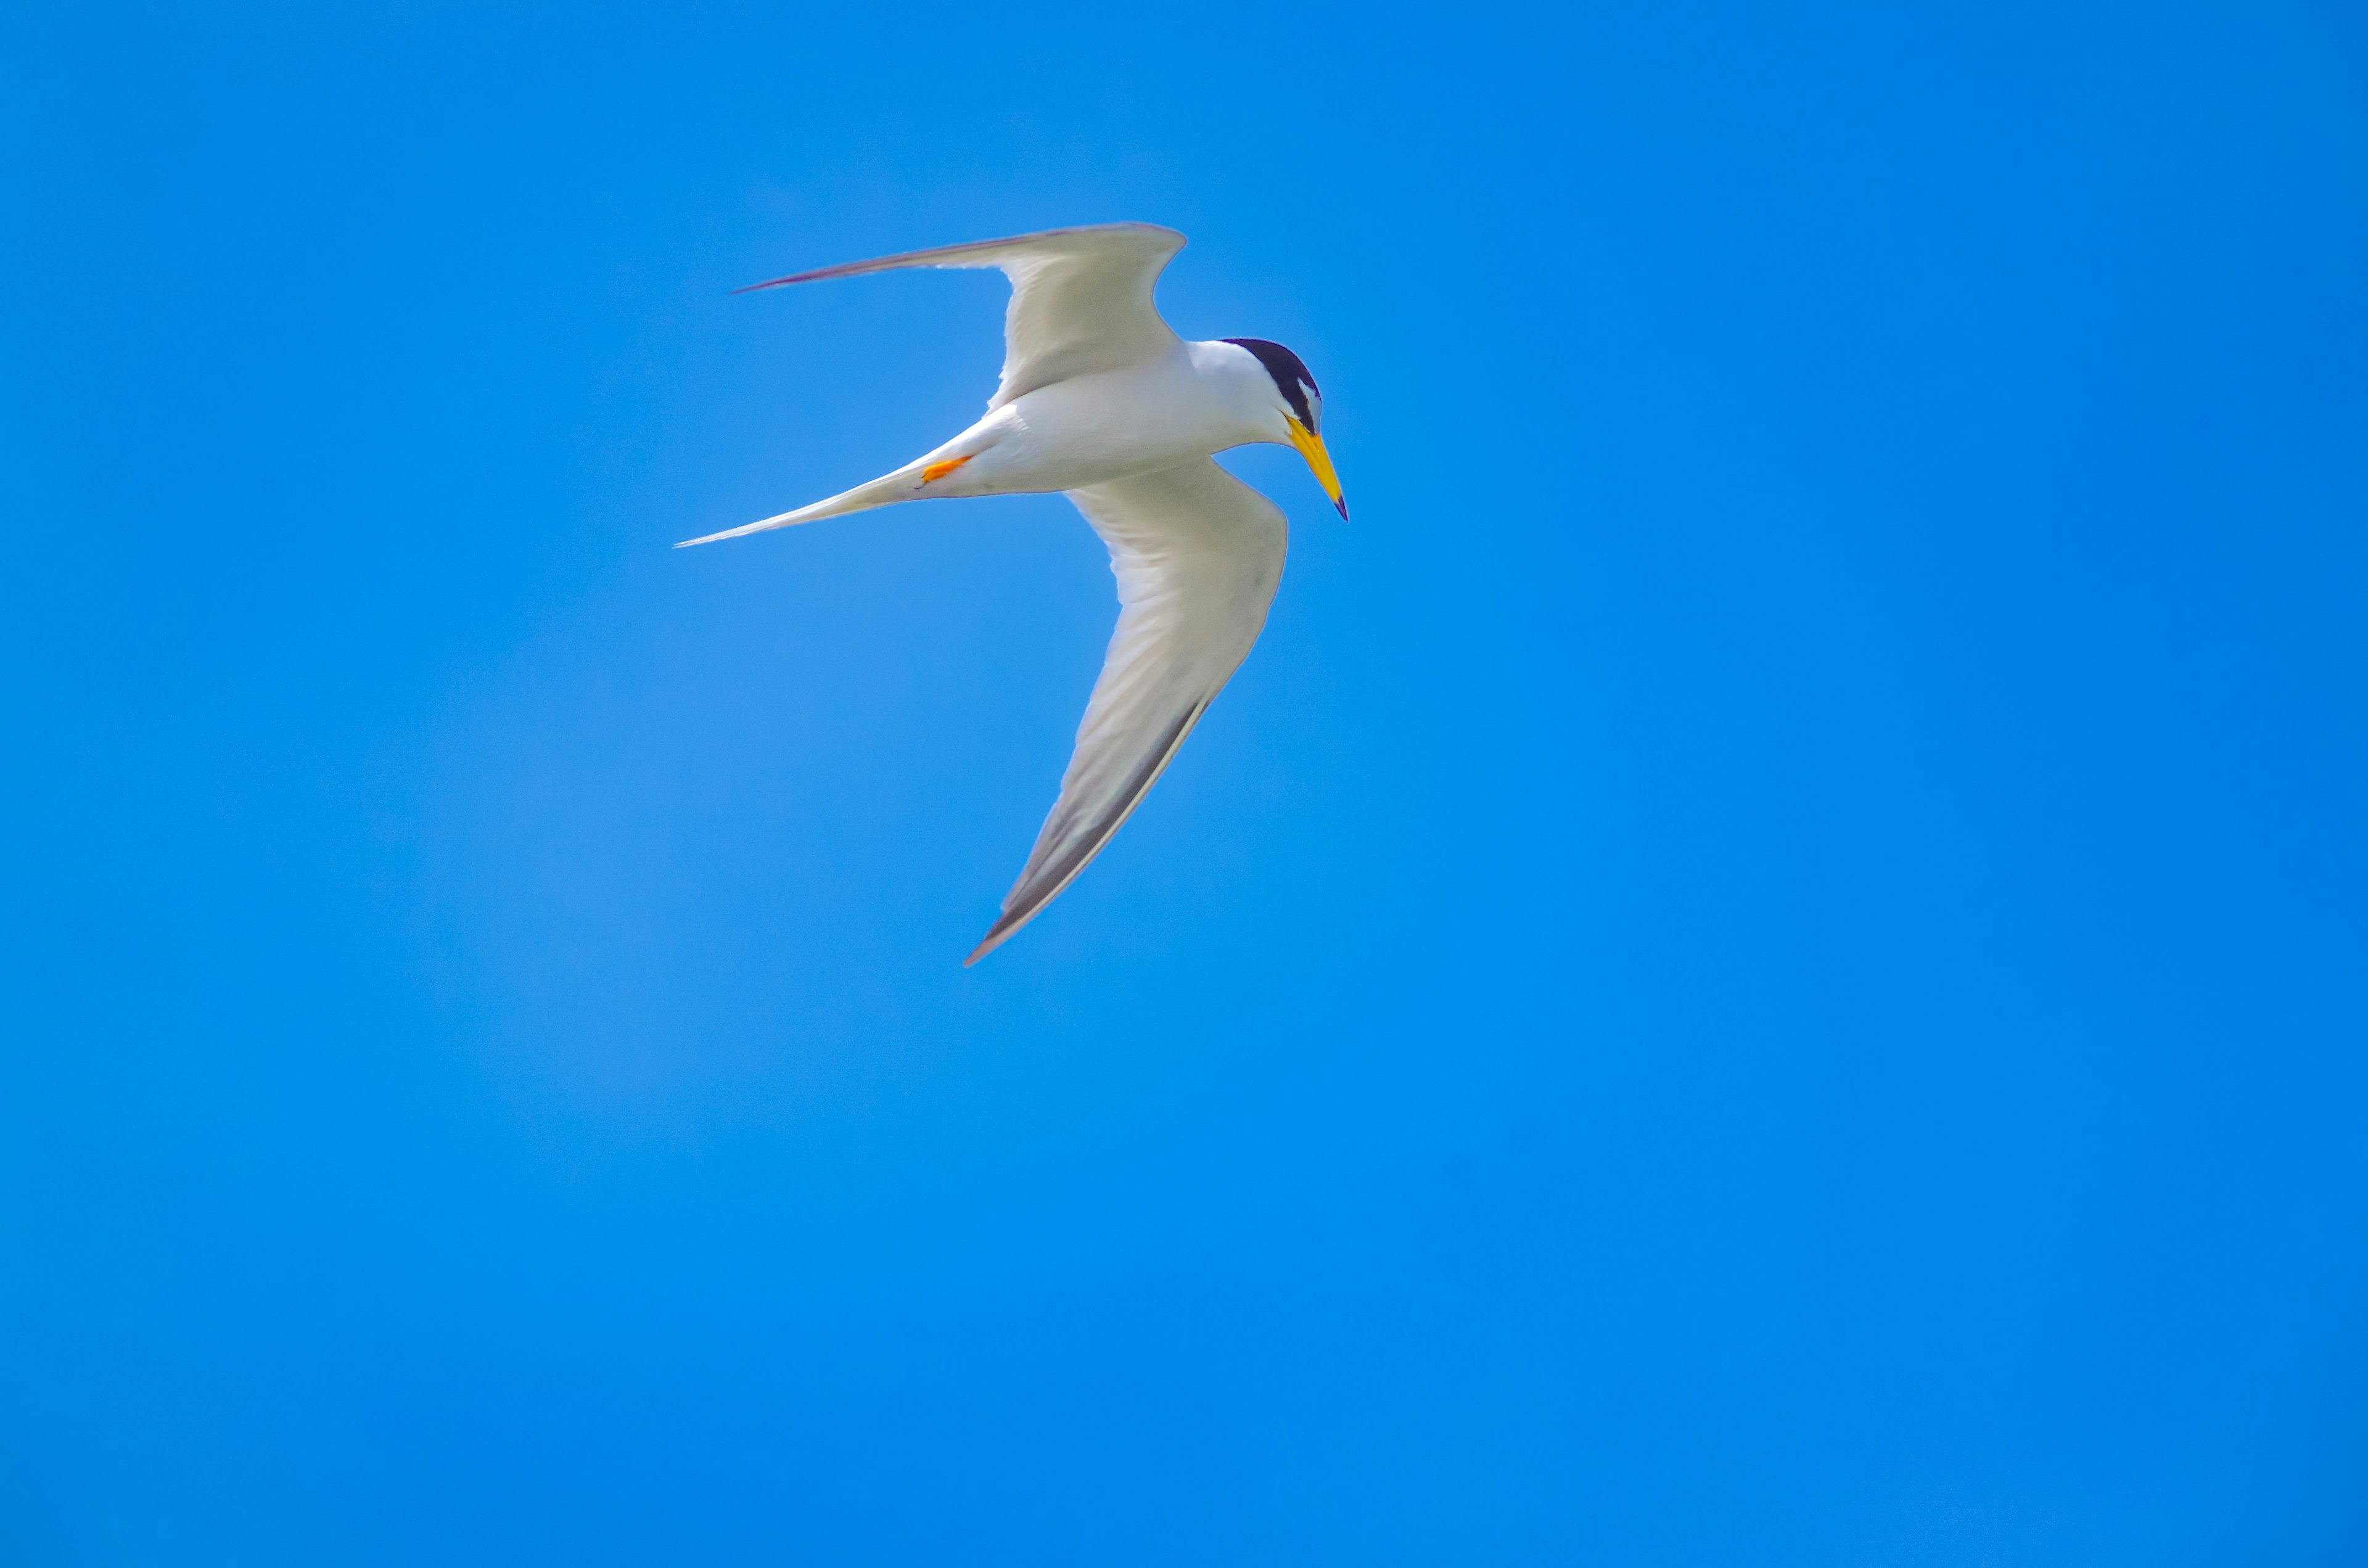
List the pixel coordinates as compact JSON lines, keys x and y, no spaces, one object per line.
{"x":1764,"y":967}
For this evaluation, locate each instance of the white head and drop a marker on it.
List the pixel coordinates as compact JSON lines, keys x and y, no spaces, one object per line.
{"x":1301,"y":407}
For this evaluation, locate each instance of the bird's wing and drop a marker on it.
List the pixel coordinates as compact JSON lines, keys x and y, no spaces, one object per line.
{"x":1080,"y":298}
{"x":1197,"y":554}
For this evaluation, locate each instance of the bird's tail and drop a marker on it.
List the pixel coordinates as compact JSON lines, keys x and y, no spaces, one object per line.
{"x":904,"y":485}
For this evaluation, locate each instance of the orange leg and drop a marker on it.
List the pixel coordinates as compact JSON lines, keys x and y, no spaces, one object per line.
{"x":936,"y":472}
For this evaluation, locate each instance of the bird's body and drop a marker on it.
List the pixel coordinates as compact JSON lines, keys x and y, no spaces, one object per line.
{"x":1191,"y":401}
{"x":1100,"y":401}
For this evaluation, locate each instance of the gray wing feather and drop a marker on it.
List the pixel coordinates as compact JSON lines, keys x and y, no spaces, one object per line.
{"x":1080,"y":298}
{"x":1198,"y":555}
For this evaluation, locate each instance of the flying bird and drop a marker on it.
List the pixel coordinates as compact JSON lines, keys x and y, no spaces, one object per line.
{"x":1101,"y":401}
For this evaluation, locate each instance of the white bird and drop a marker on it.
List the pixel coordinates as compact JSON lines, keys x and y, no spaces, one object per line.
{"x":1101,"y":401}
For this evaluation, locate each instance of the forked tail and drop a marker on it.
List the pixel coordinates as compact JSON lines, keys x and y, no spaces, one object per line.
{"x":904,"y":485}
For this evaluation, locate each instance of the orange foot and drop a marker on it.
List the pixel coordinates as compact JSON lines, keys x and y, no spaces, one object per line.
{"x":936,"y":472}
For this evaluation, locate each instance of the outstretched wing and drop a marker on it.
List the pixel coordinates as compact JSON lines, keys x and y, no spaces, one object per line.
{"x":1080,"y":298}
{"x":1197,"y":554}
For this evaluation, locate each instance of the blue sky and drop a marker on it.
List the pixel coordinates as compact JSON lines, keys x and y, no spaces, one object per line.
{"x":1763,"y":965}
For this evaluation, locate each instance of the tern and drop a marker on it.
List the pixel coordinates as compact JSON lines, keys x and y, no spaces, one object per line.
{"x":1101,"y":401}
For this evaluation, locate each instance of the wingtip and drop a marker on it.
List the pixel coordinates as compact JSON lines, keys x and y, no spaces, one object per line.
{"x":996,"y":934}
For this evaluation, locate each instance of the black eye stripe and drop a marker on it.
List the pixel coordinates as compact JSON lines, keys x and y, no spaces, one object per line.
{"x":1291,"y":376}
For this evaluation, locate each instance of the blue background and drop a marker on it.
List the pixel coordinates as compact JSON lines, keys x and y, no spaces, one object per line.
{"x":1767,"y":964}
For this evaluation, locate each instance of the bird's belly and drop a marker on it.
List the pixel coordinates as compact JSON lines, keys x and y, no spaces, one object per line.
{"x":1097,"y":428}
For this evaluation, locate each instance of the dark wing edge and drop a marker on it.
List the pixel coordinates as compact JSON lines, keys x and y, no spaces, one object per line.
{"x":1028,"y":899}
{"x":974,"y":253}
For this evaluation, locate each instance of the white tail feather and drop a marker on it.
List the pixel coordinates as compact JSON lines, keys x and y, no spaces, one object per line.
{"x":904,"y":485}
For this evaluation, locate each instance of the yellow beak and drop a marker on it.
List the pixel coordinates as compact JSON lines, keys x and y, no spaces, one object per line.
{"x":1311,"y":446}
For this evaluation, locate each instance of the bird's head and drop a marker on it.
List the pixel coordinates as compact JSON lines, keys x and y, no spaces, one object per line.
{"x":1301,"y":407}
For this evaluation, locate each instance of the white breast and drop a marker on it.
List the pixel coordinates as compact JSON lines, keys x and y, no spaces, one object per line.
{"x":1092,"y":429}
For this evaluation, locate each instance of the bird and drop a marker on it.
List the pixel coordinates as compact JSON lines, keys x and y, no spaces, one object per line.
{"x":1101,"y":401}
